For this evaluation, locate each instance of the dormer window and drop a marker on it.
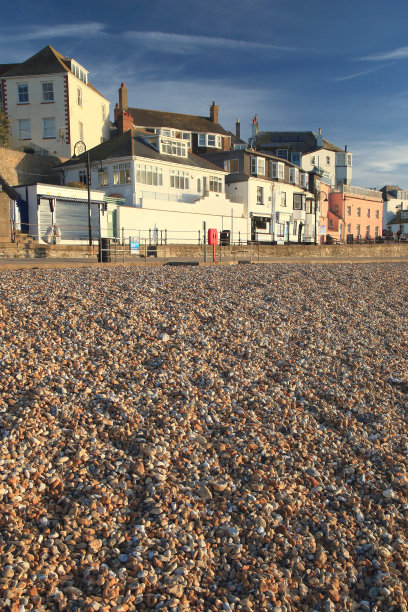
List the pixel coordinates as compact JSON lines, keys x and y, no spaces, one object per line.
{"x":209,"y":140}
{"x":257,"y":165}
{"x":79,"y":72}
{"x":294,"y":176}
{"x":304,"y":180}
{"x":173,"y":147}
{"x":278,"y":170}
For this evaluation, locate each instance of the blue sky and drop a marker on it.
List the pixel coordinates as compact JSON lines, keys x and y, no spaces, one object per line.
{"x":340,"y":66}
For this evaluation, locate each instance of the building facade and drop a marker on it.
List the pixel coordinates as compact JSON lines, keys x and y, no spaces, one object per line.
{"x":279,"y":207}
{"x":355,"y":213}
{"x":163,"y":187}
{"x":51,"y":105}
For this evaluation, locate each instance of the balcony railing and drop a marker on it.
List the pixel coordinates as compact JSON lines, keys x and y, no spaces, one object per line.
{"x":359,"y":191}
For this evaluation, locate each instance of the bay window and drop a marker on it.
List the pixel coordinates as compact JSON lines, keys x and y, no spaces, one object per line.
{"x":121,"y":174}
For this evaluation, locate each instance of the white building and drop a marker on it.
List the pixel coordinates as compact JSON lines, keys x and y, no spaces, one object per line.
{"x":394,"y":200}
{"x":275,"y":193}
{"x":309,"y":151}
{"x":51,"y":105}
{"x":164,"y":187}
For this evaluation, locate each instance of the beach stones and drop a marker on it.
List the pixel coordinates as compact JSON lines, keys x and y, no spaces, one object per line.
{"x":215,"y":438}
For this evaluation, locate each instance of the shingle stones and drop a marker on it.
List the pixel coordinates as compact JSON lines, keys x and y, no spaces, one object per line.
{"x":221,"y":438}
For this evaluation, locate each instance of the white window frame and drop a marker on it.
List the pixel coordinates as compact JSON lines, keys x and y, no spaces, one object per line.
{"x":23,"y":96}
{"x":304,"y":180}
{"x":294,"y":176}
{"x":47,"y":93}
{"x":283,"y":199}
{"x":177,"y":147}
{"x":121,"y":174}
{"x":215,"y":184}
{"x":24,"y":129}
{"x":260,"y":195}
{"x":179,"y":179}
{"x":149,"y":175}
{"x":79,"y":96}
{"x":49,"y":127}
{"x":258,"y":165}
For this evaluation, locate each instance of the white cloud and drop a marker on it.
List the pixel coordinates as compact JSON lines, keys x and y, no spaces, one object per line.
{"x":185,"y":43}
{"x":378,"y":163}
{"x":362,"y":73}
{"x":400,"y":53}
{"x":40,"y":32}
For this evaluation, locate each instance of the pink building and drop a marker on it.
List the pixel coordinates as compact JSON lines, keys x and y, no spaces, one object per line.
{"x":354,"y":211}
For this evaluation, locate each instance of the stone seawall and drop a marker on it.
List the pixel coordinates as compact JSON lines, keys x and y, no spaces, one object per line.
{"x":26,"y":248}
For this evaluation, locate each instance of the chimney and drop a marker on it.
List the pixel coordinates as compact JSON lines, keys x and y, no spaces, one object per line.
{"x":123,"y":103}
{"x":214,"y":112}
{"x":116,"y":112}
{"x":125,"y":122}
{"x":254,"y":126}
{"x":345,"y":149}
{"x":237,"y":129}
{"x":319,"y":139}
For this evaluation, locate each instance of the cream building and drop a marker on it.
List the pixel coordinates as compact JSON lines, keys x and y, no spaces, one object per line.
{"x":51,"y":105}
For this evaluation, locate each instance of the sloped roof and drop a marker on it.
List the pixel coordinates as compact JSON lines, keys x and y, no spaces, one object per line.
{"x":6,"y":67}
{"x":388,"y":191}
{"x":46,"y":61}
{"x":133,"y":144}
{"x":305,"y":142}
{"x":192,"y":123}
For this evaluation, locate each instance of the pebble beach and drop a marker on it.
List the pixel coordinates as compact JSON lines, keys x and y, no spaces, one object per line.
{"x":204,"y":438}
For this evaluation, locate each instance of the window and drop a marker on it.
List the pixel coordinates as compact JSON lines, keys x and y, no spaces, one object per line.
{"x":377,"y":214}
{"x":330,"y":223}
{"x":148,"y":175}
{"x":103,"y":112}
{"x":173,"y":147}
{"x":358,"y":230}
{"x":295,"y":158}
{"x":294,"y":176}
{"x":376,"y":231}
{"x":368,"y":213}
{"x":259,"y":195}
{"x":278,"y":170}
{"x":282,"y":153}
{"x":298,"y":201}
{"x":336,"y":209}
{"x":121,"y":174}
{"x":309,"y":205}
{"x":280,"y":229}
{"x":81,"y":130}
{"x":49,"y":127}
{"x":179,"y":179}
{"x":231,"y":165}
{"x":328,"y":160}
{"x":22,"y":93}
{"x":79,"y":72}
{"x":358,"y":212}
{"x":103,"y":178}
{"x":83,"y":177}
{"x":283,"y":199}
{"x":349,"y":211}
{"x":209,"y":140}
{"x":215,"y":184}
{"x":349,"y":228}
{"x":198,"y":185}
{"x":294,"y":228}
{"x":79,"y":96}
{"x":47,"y":92}
{"x":24,"y":129}
{"x":304,"y":180}
{"x":313,"y":160}
{"x":257,"y":165}
{"x":367,"y":231}
{"x":260,"y":222}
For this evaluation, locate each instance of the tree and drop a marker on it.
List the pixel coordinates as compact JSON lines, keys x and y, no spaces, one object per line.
{"x":4,"y":130}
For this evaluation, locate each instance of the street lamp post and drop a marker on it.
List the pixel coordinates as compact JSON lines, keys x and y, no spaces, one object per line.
{"x":79,"y":148}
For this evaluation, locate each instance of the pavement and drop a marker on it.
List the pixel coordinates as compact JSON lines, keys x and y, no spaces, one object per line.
{"x":71,"y":262}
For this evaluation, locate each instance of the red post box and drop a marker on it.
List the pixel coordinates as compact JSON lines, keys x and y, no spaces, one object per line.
{"x":212,"y":237}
